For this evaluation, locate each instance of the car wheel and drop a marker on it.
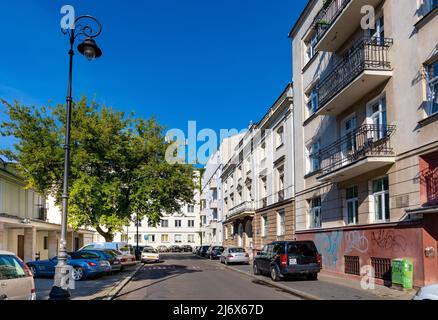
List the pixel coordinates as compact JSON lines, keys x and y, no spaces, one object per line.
{"x":33,"y":270}
{"x":256,"y":269}
{"x":78,"y":274}
{"x":312,"y":276}
{"x":274,"y":274}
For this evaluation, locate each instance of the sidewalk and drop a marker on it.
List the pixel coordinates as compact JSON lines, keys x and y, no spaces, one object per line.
{"x":91,"y":289}
{"x":329,"y":287}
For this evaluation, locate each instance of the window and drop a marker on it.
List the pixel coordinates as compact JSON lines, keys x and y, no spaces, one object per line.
{"x":432,"y":4}
{"x":432,"y":88}
{"x":280,"y":172}
{"x":138,"y":238}
{"x":264,"y":226}
{"x":312,"y":102}
{"x":191,"y":223}
{"x":164,"y":238}
{"x":191,"y":238}
{"x":314,"y":157}
{"x":310,"y":46}
{"x":352,"y":205}
{"x":214,"y":214}
{"x":378,"y":118}
{"x":315,"y":213}
{"x":178,"y":223}
{"x":263,"y":150}
{"x":137,"y":223}
{"x":280,"y":137}
{"x":150,"y":238}
{"x":204,"y":220}
{"x":226,"y":233}
{"x":281,"y":230}
{"x":165,"y":223}
{"x":178,"y":238}
{"x":190,"y":208}
{"x":381,"y":199}
{"x":46,"y":243}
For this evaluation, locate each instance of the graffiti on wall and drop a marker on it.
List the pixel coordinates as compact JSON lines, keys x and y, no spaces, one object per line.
{"x":388,"y":240}
{"x":356,"y":241}
{"x":329,"y":245}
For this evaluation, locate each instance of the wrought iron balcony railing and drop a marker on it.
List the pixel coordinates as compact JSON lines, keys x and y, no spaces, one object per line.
{"x":367,"y":140}
{"x":328,"y":14}
{"x":429,"y":180}
{"x":366,"y":54}
{"x":247,"y":206}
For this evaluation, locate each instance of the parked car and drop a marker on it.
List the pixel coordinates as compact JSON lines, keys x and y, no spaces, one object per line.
{"x":162,"y":248}
{"x":203,"y":251}
{"x":174,"y":249}
{"x":186,"y":248}
{"x":214,"y":252}
{"x":85,"y":265}
{"x":16,"y":278}
{"x":195,"y":249}
{"x":125,"y":251}
{"x":150,"y":255}
{"x":427,"y":293}
{"x":288,"y":258}
{"x":110,"y":255}
{"x":234,"y":255}
{"x":123,"y":247}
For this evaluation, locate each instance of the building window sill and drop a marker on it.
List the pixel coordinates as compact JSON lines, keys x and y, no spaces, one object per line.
{"x":309,"y":119}
{"x":424,"y":20}
{"x":311,"y":174}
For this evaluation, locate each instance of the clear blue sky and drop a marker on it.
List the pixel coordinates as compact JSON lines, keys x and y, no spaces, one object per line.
{"x":221,"y":63}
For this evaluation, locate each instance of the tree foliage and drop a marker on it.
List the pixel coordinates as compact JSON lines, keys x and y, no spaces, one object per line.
{"x":118,"y":166}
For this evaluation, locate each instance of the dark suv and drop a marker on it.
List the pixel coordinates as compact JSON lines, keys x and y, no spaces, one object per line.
{"x":288,"y":258}
{"x":214,"y":252}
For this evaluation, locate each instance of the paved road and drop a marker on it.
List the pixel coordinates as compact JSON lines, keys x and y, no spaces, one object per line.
{"x":186,"y":277}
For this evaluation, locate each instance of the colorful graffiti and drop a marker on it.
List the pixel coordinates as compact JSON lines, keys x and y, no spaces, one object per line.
{"x":329,"y":245}
{"x":356,"y":241}
{"x":388,"y":240}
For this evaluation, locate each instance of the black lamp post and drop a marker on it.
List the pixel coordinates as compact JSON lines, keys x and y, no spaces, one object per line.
{"x":88,"y":48}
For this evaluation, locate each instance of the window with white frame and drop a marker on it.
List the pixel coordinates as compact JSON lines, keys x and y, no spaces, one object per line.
{"x":352,"y":205}
{"x":178,"y":223}
{"x":315,"y":213}
{"x":191,"y":238}
{"x":138,"y":238}
{"x":263,"y":150}
{"x":381,"y":199}
{"x":432,"y":88}
{"x":178,"y":238}
{"x":190,"y":208}
{"x":280,"y":137}
{"x":264,"y":221}
{"x":226,"y":233}
{"x":151,"y":238}
{"x":310,"y":46}
{"x":191,"y":223}
{"x":313,"y":151}
{"x":312,"y":102}
{"x":164,"y":238}
{"x":281,"y":227}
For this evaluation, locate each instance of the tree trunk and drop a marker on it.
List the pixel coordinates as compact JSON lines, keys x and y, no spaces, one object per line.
{"x":109,"y":236}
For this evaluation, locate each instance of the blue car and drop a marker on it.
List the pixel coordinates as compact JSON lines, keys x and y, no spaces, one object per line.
{"x":85,"y":265}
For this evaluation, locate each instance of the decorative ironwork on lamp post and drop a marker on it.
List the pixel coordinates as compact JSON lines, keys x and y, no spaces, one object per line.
{"x":83,"y":29}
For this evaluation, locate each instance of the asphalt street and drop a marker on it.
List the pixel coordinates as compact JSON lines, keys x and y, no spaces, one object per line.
{"x":187,"y":277}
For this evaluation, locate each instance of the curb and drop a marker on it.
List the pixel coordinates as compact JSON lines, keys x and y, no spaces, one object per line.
{"x":295,"y":292}
{"x":116,"y":289}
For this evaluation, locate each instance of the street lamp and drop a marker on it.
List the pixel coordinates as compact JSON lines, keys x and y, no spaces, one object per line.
{"x":88,"y":47}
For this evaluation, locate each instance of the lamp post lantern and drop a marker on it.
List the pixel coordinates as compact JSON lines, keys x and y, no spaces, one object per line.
{"x":88,"y":47}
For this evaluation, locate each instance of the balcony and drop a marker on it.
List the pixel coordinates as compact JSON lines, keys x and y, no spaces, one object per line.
{"x":336,"y":23}
{"x":366,"y":149}
{"x":244,"y":207}
{"x":365,"y":68}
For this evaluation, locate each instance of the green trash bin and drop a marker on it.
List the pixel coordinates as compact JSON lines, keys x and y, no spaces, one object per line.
{"x":403,"y":272}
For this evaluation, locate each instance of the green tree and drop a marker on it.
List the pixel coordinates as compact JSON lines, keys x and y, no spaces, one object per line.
{"x":118,"y":166}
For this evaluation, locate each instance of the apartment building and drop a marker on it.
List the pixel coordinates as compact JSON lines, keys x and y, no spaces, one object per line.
{"x":30,"y":226}
{"x":258,"y":181}
{"x":366,"y":134}
{"x":179,"y":228}
{"x":273,"y":173}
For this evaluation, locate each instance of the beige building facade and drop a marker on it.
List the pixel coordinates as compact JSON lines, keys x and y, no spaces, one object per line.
{"x":366,"y":134}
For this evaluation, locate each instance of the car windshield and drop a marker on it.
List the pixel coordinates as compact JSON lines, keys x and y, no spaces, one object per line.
{"x":304,"y":248}
{"x":218,"y":248}
{"x":83,"y":255}
{"x":236,"y":250}
{"x":11,"y":268}
{"x":149,"y":250}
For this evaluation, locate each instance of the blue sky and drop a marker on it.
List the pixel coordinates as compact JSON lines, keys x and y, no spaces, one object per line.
{"x":221,"y":63}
